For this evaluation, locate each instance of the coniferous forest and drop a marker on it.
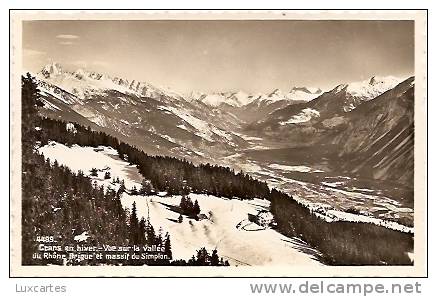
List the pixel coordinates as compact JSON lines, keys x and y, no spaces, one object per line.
{"x":64,"y":204}
{"x":84,"y":206}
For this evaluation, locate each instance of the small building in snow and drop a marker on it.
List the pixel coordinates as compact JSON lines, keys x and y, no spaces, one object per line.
{"x":262,"y":218}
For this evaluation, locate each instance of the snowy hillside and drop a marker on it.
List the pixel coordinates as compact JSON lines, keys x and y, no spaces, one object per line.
{"x":224,"y":226}
{"x":155,"y":119}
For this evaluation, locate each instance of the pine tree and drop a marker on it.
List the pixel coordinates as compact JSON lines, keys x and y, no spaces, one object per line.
{"x":183,"y":204}
{"x":214,"y":258}
{"x":196,"y":208}
{"x":93,"y":172}
{"x":142,"y":231}
{"x":189,"y":206}
{"x":146,"y":187}
{"x":133,"y":225}
{"x":192,"y":261}
{"x":203,"y":258}
{"x":150,"y":232}
{"x":29,"y":117}
{"x":181,"y":218}
{"x":167,"y":247}
{"x":122,"y":188}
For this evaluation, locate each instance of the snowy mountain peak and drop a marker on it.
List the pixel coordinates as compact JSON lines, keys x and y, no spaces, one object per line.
{"x":52,"y":69}
{"x":372,"y":87}
{"x":83,"y":83}
{"x":235,"y":99}
{"x":303,"y":93}
{"x":80,"y":73}
{"x":276,"y":92}
{"x":239,"y":98}
{"x":357,"y":92}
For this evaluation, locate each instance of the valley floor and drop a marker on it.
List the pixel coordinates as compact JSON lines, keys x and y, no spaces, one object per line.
{"x":333,"y":196}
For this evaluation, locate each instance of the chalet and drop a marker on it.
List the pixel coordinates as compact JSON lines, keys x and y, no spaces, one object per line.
{"x":262,"y":218}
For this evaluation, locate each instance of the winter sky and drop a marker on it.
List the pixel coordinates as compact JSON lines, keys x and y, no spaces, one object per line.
{"x":210,"y":56}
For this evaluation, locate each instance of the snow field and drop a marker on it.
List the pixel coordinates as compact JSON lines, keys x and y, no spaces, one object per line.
{"x":225,"y":226}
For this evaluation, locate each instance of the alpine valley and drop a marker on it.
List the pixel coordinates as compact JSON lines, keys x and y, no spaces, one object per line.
{"x":345,"y":154}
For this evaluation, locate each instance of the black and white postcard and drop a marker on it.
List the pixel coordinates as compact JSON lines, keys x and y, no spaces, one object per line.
{"x":230,"y":143}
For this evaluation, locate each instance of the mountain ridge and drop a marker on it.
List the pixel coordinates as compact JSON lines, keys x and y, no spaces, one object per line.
{"x":161,"y":122}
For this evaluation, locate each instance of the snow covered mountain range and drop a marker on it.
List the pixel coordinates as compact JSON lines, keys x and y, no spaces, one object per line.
{"x":205,"y":127}
{"x":240,"y":98}
{"x":83,"y":83}
{"x":156,"y":119}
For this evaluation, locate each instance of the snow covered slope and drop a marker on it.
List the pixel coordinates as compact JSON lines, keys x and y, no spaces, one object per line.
{"x":225,"y":225}
{"x":156,"y":120}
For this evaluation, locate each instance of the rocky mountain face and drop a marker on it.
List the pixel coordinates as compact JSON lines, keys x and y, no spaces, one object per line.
{"x":307,"y":121}
{"x":155,"y":119}
{"x":378,"y":138}
{"x":369,"y":123}
{"x":343,"y":98}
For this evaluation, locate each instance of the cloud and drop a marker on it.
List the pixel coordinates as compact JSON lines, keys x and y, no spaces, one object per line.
{"x":67,"y":39}
{"x":67,"y":36}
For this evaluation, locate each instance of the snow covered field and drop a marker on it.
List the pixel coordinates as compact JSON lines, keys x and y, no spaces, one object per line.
{"x":226,"y":228}
{"x":304,"y":116}
{"x":299,"y":168}
{"x":225,"y":225}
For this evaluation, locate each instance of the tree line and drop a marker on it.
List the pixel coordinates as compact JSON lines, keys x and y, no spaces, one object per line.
{"x":165,"y":173}
{"x":339,"y":243}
